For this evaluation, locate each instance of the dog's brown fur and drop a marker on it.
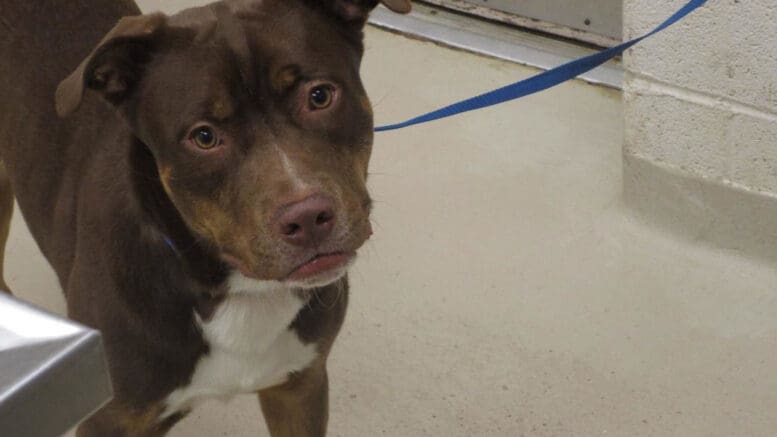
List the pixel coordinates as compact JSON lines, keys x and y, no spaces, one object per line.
{"x":141,"y":226}
{"x":6,"y":213}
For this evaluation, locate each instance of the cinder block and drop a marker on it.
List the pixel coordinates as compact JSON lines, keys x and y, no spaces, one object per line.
{"x":702,"y":210}
{"x":707,"y":142}
{"x":700,"y":103}
{"x":725,"y":49}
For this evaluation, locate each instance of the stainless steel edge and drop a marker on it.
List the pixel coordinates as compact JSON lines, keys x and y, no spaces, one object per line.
{"x":49,"y":381}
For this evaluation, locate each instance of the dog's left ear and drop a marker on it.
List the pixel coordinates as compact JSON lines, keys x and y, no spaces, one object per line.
{"x":114,"y":66}
{"x":357,"y":11}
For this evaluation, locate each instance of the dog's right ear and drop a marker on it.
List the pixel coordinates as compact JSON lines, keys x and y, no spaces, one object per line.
{"x":114,"y":66}
{"x":355,"y":12}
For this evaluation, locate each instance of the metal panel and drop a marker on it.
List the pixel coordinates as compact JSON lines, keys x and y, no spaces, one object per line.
{"x":596,"y":21}
{"x":52,"y":372}
{"x":598,"y":16}
{"x":495,"y":40}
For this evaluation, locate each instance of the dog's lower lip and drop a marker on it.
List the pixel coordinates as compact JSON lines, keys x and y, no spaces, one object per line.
{"x":319,"y":264}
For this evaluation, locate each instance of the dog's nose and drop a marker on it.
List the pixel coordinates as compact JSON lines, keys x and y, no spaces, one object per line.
{"x":306,"y":223}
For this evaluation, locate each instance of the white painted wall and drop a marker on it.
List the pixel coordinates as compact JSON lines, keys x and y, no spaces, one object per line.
{"x":701,"y":120}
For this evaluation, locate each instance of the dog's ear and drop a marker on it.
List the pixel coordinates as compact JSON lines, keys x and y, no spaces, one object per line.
{"x":114,"y":66}
{"x":357,"y":11}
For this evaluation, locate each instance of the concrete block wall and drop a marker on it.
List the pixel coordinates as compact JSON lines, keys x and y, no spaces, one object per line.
{"x":700,"y":154}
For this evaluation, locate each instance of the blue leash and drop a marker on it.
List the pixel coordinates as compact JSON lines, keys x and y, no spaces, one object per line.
{"x":543,"y":80}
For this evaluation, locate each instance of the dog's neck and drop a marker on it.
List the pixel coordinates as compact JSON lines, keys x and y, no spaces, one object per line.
{"x":159,"y":212}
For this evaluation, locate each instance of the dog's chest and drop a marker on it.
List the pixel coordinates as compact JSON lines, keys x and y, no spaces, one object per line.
{"x":251,"y":345}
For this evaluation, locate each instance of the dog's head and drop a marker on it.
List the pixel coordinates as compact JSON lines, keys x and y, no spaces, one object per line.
{"x":258,"y":124}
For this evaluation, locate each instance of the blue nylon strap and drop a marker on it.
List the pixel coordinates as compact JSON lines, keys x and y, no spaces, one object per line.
{"x":543,"y":80}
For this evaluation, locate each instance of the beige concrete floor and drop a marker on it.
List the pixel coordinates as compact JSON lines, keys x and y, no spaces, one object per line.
{"x":507,"y":292}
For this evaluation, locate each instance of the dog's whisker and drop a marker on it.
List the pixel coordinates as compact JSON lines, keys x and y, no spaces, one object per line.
{"x":358,"y":272}
{"x":376,"y":224}
{"x":382,"y":202}
{"x":381,"y":100}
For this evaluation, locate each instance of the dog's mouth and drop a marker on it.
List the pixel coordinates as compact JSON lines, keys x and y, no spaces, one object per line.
{"x":302,"y":268}
{"x":318,"y":270}
{"x":320,"y":265}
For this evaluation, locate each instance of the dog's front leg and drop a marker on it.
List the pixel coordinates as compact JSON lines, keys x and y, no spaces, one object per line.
{"x":113,"y":420}
{"x":300,"y":407}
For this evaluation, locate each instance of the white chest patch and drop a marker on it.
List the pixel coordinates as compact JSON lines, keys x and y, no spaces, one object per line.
{"x":251,"y":346}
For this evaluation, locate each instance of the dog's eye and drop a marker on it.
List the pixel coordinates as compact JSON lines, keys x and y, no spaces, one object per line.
{"x":205,"y":137}
{"x":321,"y":97}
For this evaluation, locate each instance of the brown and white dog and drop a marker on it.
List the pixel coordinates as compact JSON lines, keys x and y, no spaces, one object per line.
{"x":197,"y":182}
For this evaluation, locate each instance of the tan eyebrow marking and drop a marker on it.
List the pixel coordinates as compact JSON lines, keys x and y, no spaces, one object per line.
{"x":284,"y":78}
{"x":222,"y":109}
